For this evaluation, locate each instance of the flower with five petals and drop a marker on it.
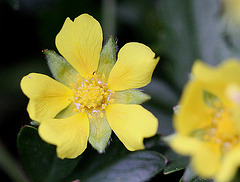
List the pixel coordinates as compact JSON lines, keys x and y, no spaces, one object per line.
{"x":207,"y":123}
{"x":92,"y":95}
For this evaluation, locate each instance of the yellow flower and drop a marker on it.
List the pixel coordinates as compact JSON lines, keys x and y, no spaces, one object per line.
{"x":94,"y":96}
{"x":207,"y":124}
{"x":231,"y":10}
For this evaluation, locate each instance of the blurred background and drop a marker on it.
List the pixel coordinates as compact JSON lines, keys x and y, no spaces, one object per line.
{"x":177,"y":31}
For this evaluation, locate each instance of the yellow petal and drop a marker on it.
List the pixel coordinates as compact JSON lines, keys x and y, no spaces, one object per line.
{"x":183,"y":145}
{"x":225,"y":72}
{"x":199,"y":151}
{"x":215,"y":79}
{"x":47,"y":96}
{"x":80,"y":43}
{"x":211,"y":154}
{"x":188,"y":117}
{"x":131,"y":123}
{"x":70,"y":135}
{"x":133,"y":68}
{"x":230,"y":164}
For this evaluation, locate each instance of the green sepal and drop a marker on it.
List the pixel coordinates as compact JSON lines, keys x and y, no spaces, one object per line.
{"x":100,"y":132}
{"x":61,"y":70}
{"x":67,"y":112}
{"x":211,"y":100}
{"x":131,"y":96}
{"x":35,"y":123}
{"x":107,"y":57}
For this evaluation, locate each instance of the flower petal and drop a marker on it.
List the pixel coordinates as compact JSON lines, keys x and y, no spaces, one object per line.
{"x":200,"y":151}
{"x":133,"y":68}
{"x":227,"y":71}
{"x":216,"y":79}
{"x":187,"y":118}
{"x":47,"y":96}
{"x":100,"y":132}
{"x":229,"y":166}
{"x":70,"y":135}
{"x":211,"y":154}
{"x":131,"y":123}
{"x":80,"y":43}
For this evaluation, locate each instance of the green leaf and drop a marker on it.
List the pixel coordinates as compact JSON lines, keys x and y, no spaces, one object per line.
{"x":107,"y":57}
{"x":60,"y":68}
{"x":199,"y":179}
{"x":190,"y":176}
{"x":118,"y":164}
{"x":175,"y":162}
{"x":39,"y":158}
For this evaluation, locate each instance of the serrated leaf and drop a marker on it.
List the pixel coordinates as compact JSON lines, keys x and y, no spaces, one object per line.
{"x":39,"y":158}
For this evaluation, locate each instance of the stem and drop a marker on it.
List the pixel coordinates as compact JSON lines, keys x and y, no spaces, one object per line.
{"x":109,"y":18}
{"x":10,"y":166}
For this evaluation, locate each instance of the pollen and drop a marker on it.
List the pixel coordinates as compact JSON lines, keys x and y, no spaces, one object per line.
{"x":219,"y":128}
{"x":92,"y":95}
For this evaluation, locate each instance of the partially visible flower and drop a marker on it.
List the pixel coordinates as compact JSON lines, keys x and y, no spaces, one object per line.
{"x":207,"y":123}
{"x":96,"y":95}
{"x":231,"y":11}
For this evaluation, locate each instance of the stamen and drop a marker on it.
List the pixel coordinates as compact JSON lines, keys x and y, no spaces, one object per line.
{"x":71,"y":85}
{"x":220,"y":128}
{"x":91,"y":94}
{"x":103,"y":77}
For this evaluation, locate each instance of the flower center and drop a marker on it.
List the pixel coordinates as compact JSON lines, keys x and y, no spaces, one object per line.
{"x":91,"y":95}
{"x":221,"y":129}
{"x":218,"y":128}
